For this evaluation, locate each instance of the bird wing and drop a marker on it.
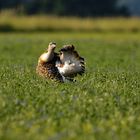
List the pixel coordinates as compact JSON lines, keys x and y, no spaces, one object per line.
{"x":71,"y":63}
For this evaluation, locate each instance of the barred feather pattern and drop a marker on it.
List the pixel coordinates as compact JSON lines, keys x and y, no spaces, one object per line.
{"x":49,"y":70}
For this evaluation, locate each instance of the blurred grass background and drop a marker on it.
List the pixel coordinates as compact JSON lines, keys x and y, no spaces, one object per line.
{"x":103,"y":104}
{"x":12,"y":22}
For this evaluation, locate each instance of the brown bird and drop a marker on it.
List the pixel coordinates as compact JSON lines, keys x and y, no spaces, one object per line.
{"x":61,"y":67}
{"x":47,"y":64}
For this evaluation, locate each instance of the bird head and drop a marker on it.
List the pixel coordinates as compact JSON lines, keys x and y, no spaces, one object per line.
{"x":52,"y":46}
{"x":48,"y":54}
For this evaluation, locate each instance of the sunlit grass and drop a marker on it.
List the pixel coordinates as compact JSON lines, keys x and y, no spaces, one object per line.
{"x":11,"y":22}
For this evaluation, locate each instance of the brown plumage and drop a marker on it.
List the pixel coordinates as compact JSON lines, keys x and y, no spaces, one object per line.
{"x":46,"y":64}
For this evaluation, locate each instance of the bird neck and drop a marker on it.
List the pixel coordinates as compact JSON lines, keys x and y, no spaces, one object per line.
{"x":47,"y":57}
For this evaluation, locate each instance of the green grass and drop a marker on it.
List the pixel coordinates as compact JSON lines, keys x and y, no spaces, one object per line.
{"x":103,"y":104}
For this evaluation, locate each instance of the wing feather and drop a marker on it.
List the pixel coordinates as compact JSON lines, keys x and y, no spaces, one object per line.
{"x":70,"y":63}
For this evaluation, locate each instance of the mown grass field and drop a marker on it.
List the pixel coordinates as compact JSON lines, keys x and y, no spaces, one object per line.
{"x":103,"y":104}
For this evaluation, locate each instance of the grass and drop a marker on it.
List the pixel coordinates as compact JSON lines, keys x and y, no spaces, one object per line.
{"x":102,"y":104}
{"x":12,"y":22}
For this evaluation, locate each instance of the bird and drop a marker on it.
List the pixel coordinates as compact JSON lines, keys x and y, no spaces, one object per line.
{"x":63,"y":66}
{"x":46,"y":66}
